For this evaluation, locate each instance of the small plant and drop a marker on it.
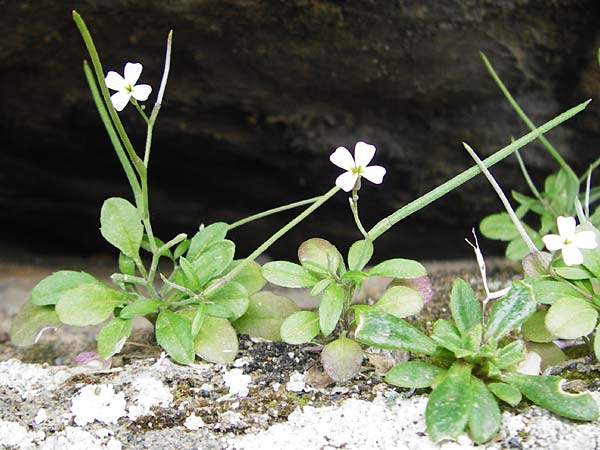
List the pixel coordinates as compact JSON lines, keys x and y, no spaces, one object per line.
{"x":470,"y":362}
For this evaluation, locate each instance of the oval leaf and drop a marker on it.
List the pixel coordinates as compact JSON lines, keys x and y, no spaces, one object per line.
{"x":548,"y":291}
{"x":449,"y":407}
{"x":398,"y":268}
{"x":319,"y":255}
{"x":360,"y":254}
{"x":88,"y":304}
{"x":342,"y":359}
{"x":413,"y":374}
{"x":287,"y":274}
{"x":234,"y":297}
{"x":250,"y":276}
{"x":206,"y":237}
{"x":506,"y":392}
{"x":382,"y":330}
{"x":498,"y":227}
{"x":570,"y":318}
{"x":121,"y":225}
{"x":545,"y":391}
{"x":217,"y":341}
{"x":330,"y":309}
{"x":485,"y":419}
{"x":534,"y":329}
{"x":50,"y":289}
{"x":266,"y":312}
{"x":300,"y":327}
{"x":30,"y":322}
{"x":213,"y":261}
{"x":174,"y":335}
{"x":400,"y":301}
{"x":140,"y":308}
{"x":112,"y":337}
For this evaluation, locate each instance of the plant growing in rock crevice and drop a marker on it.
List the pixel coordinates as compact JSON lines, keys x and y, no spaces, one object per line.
{"x":470,"y":363}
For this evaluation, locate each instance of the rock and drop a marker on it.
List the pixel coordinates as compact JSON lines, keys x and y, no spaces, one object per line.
{"x":262,"y":92}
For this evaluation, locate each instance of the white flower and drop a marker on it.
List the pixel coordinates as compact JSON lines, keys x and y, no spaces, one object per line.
{"x":569,"y":242}
{"x":126,"y":87}
{"x":356,"y":167}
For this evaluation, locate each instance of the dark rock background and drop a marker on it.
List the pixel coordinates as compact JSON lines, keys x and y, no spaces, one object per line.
{"x":261,"y":92}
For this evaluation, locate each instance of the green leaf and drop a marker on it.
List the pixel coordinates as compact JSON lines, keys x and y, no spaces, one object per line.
{"x":449,"y":407}
{"x":597,"y":343}
{"x":551,"y":354}
{"x":506,"y":392}
{"x":112,"y":337}
{"x":360,"y":254}
{"x":382,"y":330}
{"x":287,"y":274}
{"x":510,"y":311}
{"x":547,"y":291}
{"x":213,"y":261}
{"x":517,"y":249}
{"x":342,"y":359}
{"x":250,"y":276}
{"x":546,"y":392}
{"x":300,"y":327}
{"x":121,"y":225}
{"x":145,"y":244}
{"x":220,"y":311}
{"x":217,"y":341}
{"x":30,"y":322}
{"x":485,"y":419}
{"x":140,"y":308}
{"x":466,"y":309}
{"x":266,"y":312}
{"x":509,"y":356}
{"x":88,"y":304}
{"x":50,"y":289}
{"x":126,"y":264}
{"x":354,"y":276}
{"x":573,"y":272}
{"x":320,"y":287}
{"x":198,"y":319}
{"x":174,"y":335}
{"x":191,"y":279}
{"x":181,"y":248}
{"x":534,"y":329}
{"x":591,"y":257}
{"x":447,"y":335}
{"x":570,"y":318}
{"x":413,"y":374}
{"x":400,"y":301}
{"x":234,"y":297}
{"x":398,"y":268}
{"x":498,"y":227}
{"x":206,"y":237}
{"x":319,"y":255}
{"x":330,"y":309}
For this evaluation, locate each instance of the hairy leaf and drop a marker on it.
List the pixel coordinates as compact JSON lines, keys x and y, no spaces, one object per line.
{"x":400,"y":301}
{"x":510,"y":311}
{"x":413,"y":374}
{"x":250,"y":276}
{"x":319,"y":255}
{"x":30,"y":322}
{"x":485,"y":419}
{"x":204,"y":238}
{"x":398,"y":268}
{"x":534,"y":329}
{"x":506,"y":392}
{"x":140,"y":308}
{"x":360,"y":254}
{"x":466,"y":309}
{"x":570,"y":318}
{"x":88,"y":304}
{"x":112,"y":337}
{"x":300,"y":327}
{"x":234,"y":297}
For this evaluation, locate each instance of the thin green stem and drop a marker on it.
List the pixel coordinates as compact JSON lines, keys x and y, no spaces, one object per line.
{"x":354,"y":208}
{"x":386,"y":223}
{"x":272,"y":211}
{"x":140,"y":110}
{"x":156,"y":256}
{"x":559,"y":159}
{"x":592,"y":167}
{"x":263,"y":247}
{"x":528,"y":179}
{"x":114,"y":139}
{"x":507,"y":206}
{"x":89,"y":43}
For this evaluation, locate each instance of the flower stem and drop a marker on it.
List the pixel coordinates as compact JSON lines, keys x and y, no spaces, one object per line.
{"x":387,"y":222}
{"x":263,"y":247}
{"x":354,"y":208}
{"x":272,"y":211}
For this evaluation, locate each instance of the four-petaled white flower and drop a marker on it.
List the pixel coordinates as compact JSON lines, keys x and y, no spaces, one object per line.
{"x":126,"y":87}
{"x":356,"y":167}
{"x":570,"y":242}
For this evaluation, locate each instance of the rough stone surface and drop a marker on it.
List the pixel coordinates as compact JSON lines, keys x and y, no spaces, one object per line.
{"x":262,"y":91}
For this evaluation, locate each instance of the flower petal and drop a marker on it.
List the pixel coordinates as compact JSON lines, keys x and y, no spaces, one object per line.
{"x":342,"y":158}
{"x":133,"y":72}
{"x":571,"y":255}
{"x":374,"y":174}
{"x":566,"y":226}
{"x":114,"y":81}
{"x":585,"y":239}
{"x":120,"y":100}
{"x":346,"y":181}
{"x":363,"y":154}
{"x":553,"y":242}
{"x":141,"y":92}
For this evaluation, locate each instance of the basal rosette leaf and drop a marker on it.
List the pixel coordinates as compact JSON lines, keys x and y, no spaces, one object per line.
{"x":121,"y":225}
{"x":485,"y":419}
{"x":30,"y":322}
{"x":266,"y":312}
{"x":400,"y":301}
{"x":174,"y":335}
{"x":510,"y":311}
{"x":300,"y":327}
{"x":398,"y":268}
{"x":413,"y":374}
{"x":287,"y":274}
{"x":330,"y":309}
{"x":112,"y":337}
{"x":88,"y":304}
{"x":216,"y":341}
{"x":465,"y":307}
{"x":342,"y":359}
{"x":319,"y":255}
{"x":50,"y":289}
{"x":571,"y":318}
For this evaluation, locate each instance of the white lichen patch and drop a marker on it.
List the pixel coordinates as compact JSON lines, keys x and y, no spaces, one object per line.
{"x":41,"y":416}
{"x":29,"y":380}
{"x":14,"y":435}
{"x":73,"y":438}
{"x":98,"y":403}
{"x":151,"y":392}
{"x":237,"y":382}
{"x":297,"y":383}
{"x":193,"y":422}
